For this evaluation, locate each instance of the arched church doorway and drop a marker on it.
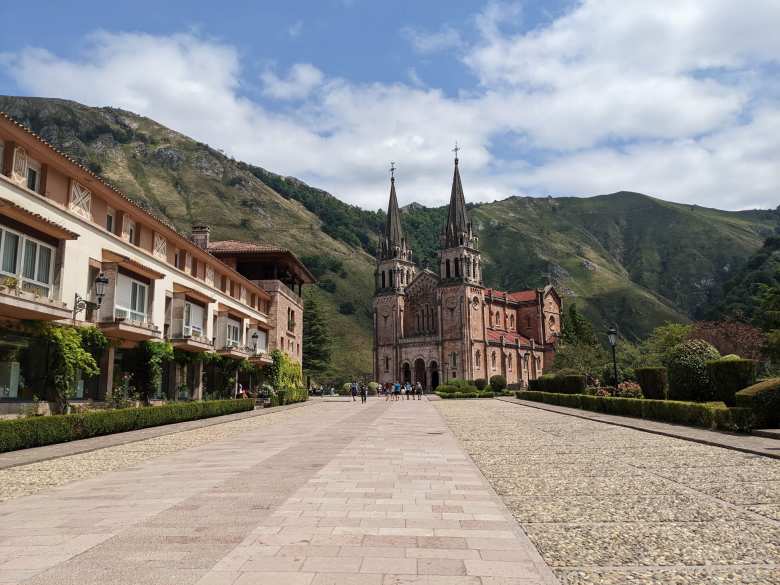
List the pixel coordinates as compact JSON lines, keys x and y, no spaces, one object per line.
{"x":419,"y":372}
{"x":407,"y":374}
{"x":434,"y":375}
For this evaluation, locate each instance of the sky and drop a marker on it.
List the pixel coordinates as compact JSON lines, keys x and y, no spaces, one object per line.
{"x":678,"y":99}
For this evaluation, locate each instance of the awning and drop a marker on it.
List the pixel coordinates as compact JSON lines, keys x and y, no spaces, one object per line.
{"x":131,"y":265}
{"x":15,"y":211}
{"x":193,"y":294}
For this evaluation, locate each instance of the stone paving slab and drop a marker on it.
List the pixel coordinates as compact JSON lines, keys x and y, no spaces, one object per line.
{"x":334,"y":493}
{"x":47,"y":452}
{"x":760,"y":445}
{"x":610,"y":505}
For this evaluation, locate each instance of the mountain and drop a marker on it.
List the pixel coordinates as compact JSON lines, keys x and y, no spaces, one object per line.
{"x":625,"y":258}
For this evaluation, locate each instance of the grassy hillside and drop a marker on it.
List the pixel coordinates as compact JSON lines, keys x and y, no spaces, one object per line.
{"x":625,"y":257}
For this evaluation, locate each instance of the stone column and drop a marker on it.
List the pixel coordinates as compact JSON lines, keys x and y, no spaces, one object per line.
{"x":106,"y":380}
{"x":197,"y":391}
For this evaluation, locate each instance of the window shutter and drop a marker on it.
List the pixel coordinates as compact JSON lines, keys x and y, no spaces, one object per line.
{"x":160,"y":247}
{"x":20,"y":166}
{"x":80,"y":200}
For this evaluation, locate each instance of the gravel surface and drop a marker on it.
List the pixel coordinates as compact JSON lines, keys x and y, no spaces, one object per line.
{"x":25,"y":480}
{"x":611,"y":505}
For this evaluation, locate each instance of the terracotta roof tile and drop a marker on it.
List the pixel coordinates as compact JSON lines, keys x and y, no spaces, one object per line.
{"x":238,"y":246}
{"x":8,"y":203}
{"x":510,"y":337}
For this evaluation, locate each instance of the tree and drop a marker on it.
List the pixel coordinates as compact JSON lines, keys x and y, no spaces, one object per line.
{"x":576,"y":328}
{"x":580,"y":357}
{"x":67,"y":358}
{"x":731,"y":337}
{"x":655,"y":349}
{"x":316,"y":338}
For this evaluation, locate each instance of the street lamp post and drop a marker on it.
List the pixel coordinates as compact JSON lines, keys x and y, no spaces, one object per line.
{"x":612,"y":337}
{"x":80,"y":303}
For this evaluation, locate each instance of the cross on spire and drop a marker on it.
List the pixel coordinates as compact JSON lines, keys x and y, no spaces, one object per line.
{"x":456,"y":150}
{"x":392,"y":170}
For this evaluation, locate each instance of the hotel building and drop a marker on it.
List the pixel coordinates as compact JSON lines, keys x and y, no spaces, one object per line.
{"x":75,"y":250}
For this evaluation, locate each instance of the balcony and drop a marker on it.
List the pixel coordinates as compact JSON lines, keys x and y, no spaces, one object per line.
{"x":235,"y":350}
{"x":24,"y":300}
{"x":191,"y":339}
{"x":129,"y":325}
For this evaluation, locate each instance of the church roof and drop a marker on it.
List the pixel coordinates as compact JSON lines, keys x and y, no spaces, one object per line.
{"x":510,"y":337}
{"x":517,"y":296}
{"x":457,"y":218}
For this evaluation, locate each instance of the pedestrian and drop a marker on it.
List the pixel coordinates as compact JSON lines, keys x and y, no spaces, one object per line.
{"x":363,"y":393}
{"x":397,"y":391}
{"x":419,"y":390}
{"x":408,"y":390}
{"x":353,"y":388}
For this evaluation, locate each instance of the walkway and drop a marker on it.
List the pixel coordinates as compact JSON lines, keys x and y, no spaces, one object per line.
{"x":333,"y":493}
{"x":610,"y":505}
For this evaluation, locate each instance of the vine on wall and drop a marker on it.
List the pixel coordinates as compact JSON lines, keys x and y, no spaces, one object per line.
{"x":284,"y":373}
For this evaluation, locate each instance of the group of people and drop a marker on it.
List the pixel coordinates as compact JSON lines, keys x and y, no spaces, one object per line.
{"x":357,"y":388}
{"x":397,"y":391}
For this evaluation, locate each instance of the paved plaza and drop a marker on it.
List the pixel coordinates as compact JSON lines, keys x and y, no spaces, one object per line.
{"x":389,"y":494}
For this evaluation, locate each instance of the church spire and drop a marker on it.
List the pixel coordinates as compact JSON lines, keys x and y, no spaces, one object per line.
{"x":393,"y":242}
{"x":457,"y":218}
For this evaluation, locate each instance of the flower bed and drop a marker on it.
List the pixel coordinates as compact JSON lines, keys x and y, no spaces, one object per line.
{"x":713,"y":415}
{"x":460,"y":395}
{"x":23,"y":433}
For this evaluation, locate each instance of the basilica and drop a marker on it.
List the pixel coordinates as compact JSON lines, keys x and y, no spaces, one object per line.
{"x":430,"y":327}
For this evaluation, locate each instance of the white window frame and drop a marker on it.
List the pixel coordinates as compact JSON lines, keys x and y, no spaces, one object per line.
{"x":134,"y":313}
{"x":190,"y":328}
{"x":233,"y":326}
{"x":34,"y":285}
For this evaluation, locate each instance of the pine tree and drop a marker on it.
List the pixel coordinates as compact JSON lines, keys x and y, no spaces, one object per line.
{"x":576,"y":328}
{"x":316,"y":338}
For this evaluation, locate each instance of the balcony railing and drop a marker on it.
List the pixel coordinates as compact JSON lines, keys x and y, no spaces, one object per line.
{"x":125,"y":314}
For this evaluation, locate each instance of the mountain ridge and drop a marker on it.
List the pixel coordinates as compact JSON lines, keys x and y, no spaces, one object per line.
{"x":624,"y":258}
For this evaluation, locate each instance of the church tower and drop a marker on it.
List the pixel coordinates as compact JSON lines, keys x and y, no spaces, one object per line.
{"x":459,"y":257}
{"x":395,"y":268}
{"x":394,"y":271}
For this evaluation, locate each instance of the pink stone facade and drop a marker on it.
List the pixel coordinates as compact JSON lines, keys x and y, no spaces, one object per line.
{"x":432,"y":327}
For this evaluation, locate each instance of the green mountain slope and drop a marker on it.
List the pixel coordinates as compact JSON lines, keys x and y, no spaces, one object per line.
{"x":625,"y":258}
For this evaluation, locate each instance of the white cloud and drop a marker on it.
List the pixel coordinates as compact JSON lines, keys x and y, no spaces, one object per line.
{"x":300,"y":81}
{"x":444,"y":39}
{"x":667,"y":99}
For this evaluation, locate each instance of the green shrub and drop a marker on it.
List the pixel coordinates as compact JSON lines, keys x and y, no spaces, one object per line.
{"x":728,"y":376}
{"x":764,"y":401}
{"x":628,"y":390}
{"x":709,"y":415}
{"x":497,"y":382}
{"x":653,"y":381}
{"x":687,"y":366}
{"x":571,"y":383}
{"x":480,"y":383}
{"x":23,"y":433}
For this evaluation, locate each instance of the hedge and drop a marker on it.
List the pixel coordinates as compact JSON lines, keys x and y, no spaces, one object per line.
{"x":559,"y":383}
{"x":729,"y":376}
{"x":460,"y":395}
{"x":653,"y":381}
{"x":283,"y":397}
{"x":23,"y":433}
{"x":689,"y":379}
{"x":497,"y":382}
{"x":764,"y":401}
{"x":708,"y":415}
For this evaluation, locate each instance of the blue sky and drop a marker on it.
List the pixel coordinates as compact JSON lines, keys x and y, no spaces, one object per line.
{"x":676,"y":100}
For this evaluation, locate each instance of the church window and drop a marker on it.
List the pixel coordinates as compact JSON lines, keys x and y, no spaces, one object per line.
{"x":525,"y":359}
{"x":387,"y":364}
{"x":447,"y":268}
{"x":552,"y":321}
{"x":457,"y":267}
{"x":498,"y":319}
{"x":454,"y":359}
{"x":467,"y":264}
{"x":511,"y":321}
{"x":509,"y":363}
{"x":384,"y":284}
{"x":493,"y":359}
{"x":477,"y":359}
{"x":391,"y":277}
{"x":474,"y":268}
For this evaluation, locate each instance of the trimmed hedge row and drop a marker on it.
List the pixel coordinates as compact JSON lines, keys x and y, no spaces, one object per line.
{"x":764,"y":401}
{"x":283,"y":397}
{"x":699,"y":414}
{"x":729,"y":375}
{"x":559,"y":383}
{"x":653,"y":381}
{"x":23,"y":433}
{"x":457,"y":395}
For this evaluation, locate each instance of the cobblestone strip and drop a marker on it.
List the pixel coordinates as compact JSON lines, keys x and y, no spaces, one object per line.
{"x":402,"y":504}
{"x":611,"y":505}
